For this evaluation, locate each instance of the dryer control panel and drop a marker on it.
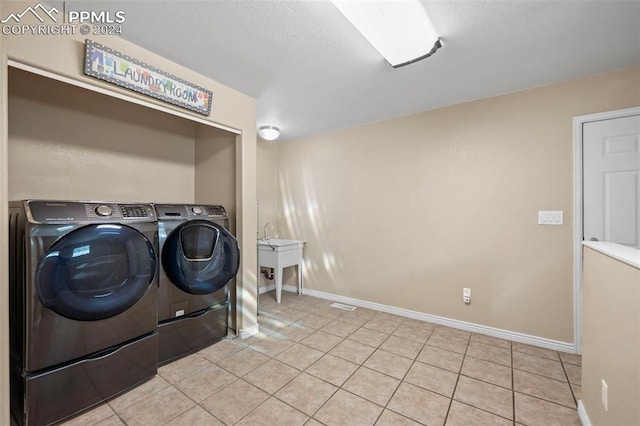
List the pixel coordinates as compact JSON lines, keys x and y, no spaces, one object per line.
{"x":42,"y":211}
{"x":189,"y":211}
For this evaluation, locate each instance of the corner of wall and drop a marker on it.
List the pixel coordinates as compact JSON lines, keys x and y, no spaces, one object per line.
{"x":4,"y":238}
{"x":582,"y":414}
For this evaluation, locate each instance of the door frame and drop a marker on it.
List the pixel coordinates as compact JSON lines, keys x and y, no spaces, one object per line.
{"x":578,"y":124}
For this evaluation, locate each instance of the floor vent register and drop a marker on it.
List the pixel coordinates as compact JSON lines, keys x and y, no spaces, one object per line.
{"x":343,"y":307}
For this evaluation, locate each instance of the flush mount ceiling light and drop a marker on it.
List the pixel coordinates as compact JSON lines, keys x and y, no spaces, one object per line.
{"x":400,"y":30}
{"x":269,"y":133}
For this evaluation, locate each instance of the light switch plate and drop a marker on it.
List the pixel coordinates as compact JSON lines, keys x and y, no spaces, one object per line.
{"x":550,"y":217}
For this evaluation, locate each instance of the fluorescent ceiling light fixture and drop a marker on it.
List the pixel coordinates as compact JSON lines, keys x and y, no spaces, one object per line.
{"x":269,"y":133}
{"x":399,"y":29}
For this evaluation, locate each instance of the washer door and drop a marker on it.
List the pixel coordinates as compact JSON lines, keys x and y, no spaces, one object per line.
{"x":96,"y":272}
{"x":200,"y":257}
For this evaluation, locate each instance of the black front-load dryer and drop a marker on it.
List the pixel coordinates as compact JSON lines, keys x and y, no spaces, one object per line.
{"x":82,"y":304}
{"x":198,"y":258}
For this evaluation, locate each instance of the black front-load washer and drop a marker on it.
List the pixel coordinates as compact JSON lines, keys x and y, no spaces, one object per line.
{"x":198,"y":258}
{"x":82,"y":304}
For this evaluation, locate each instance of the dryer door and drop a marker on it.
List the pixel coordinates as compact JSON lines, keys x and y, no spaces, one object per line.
{"x":96,"y":272}
{"x":200,"y":257}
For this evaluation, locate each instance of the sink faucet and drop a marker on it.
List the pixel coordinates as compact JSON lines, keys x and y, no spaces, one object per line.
{"x":264,"y":236}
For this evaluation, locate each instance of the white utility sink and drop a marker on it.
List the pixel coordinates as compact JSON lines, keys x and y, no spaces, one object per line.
{"x":278,"y":254}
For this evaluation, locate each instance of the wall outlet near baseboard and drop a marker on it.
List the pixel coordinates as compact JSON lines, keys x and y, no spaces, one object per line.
{"x":605,"y":395}
{"x":466,"y":295}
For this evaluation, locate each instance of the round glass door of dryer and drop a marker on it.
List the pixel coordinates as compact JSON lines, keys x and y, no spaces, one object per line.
{"x":200,"y":257}
{"x":95,"y":272}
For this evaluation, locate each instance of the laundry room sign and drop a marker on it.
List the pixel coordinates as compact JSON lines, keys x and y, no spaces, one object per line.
{"x":109,"y":65}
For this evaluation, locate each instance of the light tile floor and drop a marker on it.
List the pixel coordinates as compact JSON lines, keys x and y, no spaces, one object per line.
{"x":312,"y":364}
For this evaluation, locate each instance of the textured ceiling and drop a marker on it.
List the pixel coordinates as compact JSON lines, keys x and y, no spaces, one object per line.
{"x":311,"y":71}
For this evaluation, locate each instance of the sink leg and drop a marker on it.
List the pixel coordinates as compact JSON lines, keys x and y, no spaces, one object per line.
{"x":278,"y":277}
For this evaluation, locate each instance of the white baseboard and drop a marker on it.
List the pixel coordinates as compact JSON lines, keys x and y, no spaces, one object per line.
{"x":582,"y":413}
{"x":266,"y":288}
{"x":475,"y":328}
{"x":271,"y":287}
{"x":248,"y":332}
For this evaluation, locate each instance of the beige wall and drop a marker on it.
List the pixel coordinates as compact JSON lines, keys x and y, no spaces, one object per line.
{"x":611,"y":340}
{"x":63,"y":55}
{"x":267,"y":173}
{"x":215,"y":181}
{"x":70,"y":143}
{"x":407,"y":212}
{"x":215,"y":169}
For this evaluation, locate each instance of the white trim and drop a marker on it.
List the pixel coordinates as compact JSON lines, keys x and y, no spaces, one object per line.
{"x":475,"y":328}
{"x":285,"y":287}
{"x":582,"y":414}
{"x":4,"y":243}
{"x":118,"y":95}
{"x":267,"y":288}
{"x":248,"y":332}
{"x":625,"y":254}
{"x":578,"y":123}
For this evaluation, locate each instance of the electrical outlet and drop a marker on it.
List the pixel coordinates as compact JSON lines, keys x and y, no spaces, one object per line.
{"x":605,"y":395}
{"x":466,"y":295}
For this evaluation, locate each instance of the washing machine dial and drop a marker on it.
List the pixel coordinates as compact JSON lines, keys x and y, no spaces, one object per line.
{"x":104,"y":211}
{"x":196,"y":210}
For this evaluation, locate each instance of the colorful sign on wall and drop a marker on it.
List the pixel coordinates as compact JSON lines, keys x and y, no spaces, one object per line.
{"x":112,"y":66}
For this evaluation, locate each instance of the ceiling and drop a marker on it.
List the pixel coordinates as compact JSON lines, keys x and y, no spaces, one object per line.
{"x":312,"y":72}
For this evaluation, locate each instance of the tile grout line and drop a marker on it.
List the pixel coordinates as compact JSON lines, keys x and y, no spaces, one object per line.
{"x":219,"y":390}
{"x":108,"y":402}
{"x":402,"y":379}
{"x":361,"y":365}
{"x":480,"y":380}
{"x":465,"y":355}
{"x":304,"y":371}
{"x":457,"y":379}
{"x":354,"y":372}
{"x":569,"y":382}
{"x":337,"y":387}
{"x":197,"y":404}
{"x":433,"y":331}
{"x":300,"y":371}
{"x":281,"y":387}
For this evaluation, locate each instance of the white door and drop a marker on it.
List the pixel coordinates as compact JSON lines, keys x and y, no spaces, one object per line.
{"x":611,"y":174}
